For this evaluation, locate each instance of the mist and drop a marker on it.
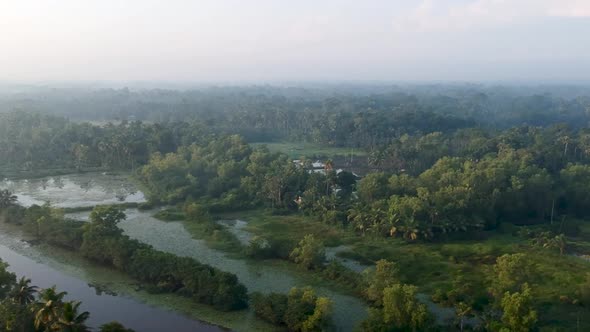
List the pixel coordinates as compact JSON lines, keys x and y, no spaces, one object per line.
{"x":268,"y":41}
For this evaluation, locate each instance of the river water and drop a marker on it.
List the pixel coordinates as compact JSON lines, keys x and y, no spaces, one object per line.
{"x":172,"y":237}
{"x":103,"y":307}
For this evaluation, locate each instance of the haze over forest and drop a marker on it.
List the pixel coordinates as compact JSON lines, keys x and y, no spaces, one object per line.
{"x":295,"y":166}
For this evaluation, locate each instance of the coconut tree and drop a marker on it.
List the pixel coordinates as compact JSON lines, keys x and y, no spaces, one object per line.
{"x":72,"y":321}
{"x":48,"y":309}
{"x":358,"y":216}
{"x":7,"y":199}
{"x":557,"y":242}
{"x":23,"y":293}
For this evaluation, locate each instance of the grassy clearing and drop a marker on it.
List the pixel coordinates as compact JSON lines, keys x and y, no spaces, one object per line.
{"x":297,"y":150}
{"x":291,"y":228}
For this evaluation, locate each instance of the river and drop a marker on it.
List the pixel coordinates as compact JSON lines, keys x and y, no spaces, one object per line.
{"x":172,"y":237}
{"x":104,"y":307}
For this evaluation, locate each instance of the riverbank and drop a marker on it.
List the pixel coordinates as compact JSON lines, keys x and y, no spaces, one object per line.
{"x":110,"y":282}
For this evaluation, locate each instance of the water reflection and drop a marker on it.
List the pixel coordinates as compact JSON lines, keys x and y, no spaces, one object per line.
{"x":104,"y":306}
{"x":76,"y":190}
{"x":172,"y":237}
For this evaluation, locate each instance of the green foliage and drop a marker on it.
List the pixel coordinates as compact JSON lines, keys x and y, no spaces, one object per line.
{"x":107,"y":218}
{"x":343,"y":276}
{"x":7,"y":199}
{"x":196,"y":212}
{"x":300,"y":310}
{"x":373,"y":187}
{"x":583,"y":291}
{"x":26,"y":308}
{"x":401,"y":311}
{"x":309,"y":253}
{"x":518,"y":316}
{"x":384,"y":275}
{"x":511,"y":272}
{"x":185,"y":275}
{"x":102,"y":241}
{"x":549,"y":241}
{"x":7,"y":280}
{"x":114,"y":327}
{"x":271,"y":307}
{"x":170,"y":214}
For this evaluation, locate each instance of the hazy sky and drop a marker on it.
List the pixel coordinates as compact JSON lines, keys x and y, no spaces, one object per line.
{"x":238,"y":40}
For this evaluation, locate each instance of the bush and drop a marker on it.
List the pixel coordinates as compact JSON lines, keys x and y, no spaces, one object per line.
{"x":12,"y":215}
{"x":300,"y":310}
{"x":270,"y":308}
{"x":261,"y":248}
{"x":196,"y":212}
{"x":171,"y":214}
{"x":309,"y":253}
{"x":339,"y":273}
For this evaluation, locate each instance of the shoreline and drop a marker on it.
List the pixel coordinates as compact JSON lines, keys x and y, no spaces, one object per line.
{"x":111,"y":281}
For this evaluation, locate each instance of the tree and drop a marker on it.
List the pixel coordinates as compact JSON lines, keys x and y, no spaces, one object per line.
{"x":309,"y":253}
{"x":401,"y":311}
{"x":7,"y":199}
{"x":72,"y":321}
{"x":518,"y":315}
{"x":80,"y":152}
{"x":48,"y":308}
{"x":23,"y":293}
{"x":384,"y":275}
{"x":300,"y":310}
{"x":373,"y":187}
{"x":584,"y":291}
{"x":107,"y":216}
{"x":321,"y":319}
{"x":7,"y":280}
{"x":196,"y":212}
{"x":511,"y":271}
{"x":271,"y":307}
{"x":346,"y":181}
{"x":306,"y":312}
{"x":462,"y":310}
{"x":102,"y":239}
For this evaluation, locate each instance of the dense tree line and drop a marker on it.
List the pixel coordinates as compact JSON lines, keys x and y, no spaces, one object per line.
{"x":429,"y":186}
{"x":102,"y":241}
{"x":343,"y":115}
{"x":523,"y":175}
{"x":35,"y":142}
{"x":373,"y":119}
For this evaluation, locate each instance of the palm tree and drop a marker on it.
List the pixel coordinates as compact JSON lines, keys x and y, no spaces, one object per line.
{"x":23,"y":293}
{"x":70,"y":320}
{"x":7,"y":199}
{"x":462,"y":310}
{"x":557,"y":242}
{"x":49,"y":308}
{"x":358,"y":216}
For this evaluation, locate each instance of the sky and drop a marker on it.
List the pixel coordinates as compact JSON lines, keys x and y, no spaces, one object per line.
{"x":288,"y":40}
